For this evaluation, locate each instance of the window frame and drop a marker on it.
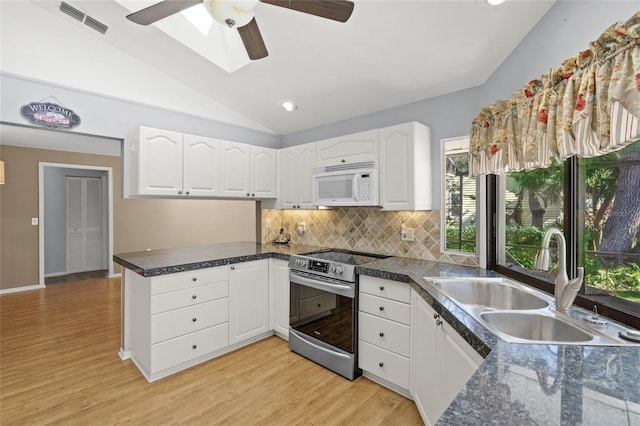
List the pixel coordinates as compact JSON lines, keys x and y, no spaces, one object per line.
{"x":572,"y":223}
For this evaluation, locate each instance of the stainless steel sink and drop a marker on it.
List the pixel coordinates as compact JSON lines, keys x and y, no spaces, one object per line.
{"x":532,"y":326}
{"x":498,"y":294}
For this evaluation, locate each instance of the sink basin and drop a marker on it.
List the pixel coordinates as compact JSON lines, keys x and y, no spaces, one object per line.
{"x":491,"y":294}
{"x":534,"y":327}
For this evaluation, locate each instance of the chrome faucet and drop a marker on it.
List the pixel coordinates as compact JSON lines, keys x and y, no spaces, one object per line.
{"x":566,"y":290}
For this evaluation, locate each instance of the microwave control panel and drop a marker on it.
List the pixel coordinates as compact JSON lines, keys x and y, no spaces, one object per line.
{"x":364,"y":187}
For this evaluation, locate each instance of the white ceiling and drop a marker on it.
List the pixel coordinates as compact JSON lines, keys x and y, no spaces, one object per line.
{"x":390,"y":53}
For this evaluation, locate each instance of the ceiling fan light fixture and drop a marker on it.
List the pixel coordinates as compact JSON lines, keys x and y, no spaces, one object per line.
{"x":495,"y":2}
{"x":289,"y":106}
{"x":231,"y":13}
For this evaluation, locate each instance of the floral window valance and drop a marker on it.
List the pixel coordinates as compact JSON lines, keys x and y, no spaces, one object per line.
{"x":587,"y":107}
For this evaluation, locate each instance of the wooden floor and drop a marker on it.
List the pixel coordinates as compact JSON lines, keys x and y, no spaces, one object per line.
{"x":59,"y":365}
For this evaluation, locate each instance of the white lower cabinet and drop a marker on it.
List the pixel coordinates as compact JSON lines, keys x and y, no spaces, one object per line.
{"x":248,"y":300}
{"x":384,"y":332}
{"x":280,"y":300}
{"x":442,"y":362}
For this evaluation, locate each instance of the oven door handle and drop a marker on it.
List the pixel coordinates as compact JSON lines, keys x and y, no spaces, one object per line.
{"x":320,"y":348}
{"x":341,"y":289}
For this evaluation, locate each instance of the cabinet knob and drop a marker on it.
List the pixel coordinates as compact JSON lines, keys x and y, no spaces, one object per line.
{"x":233,"y":268}
{"x":438,"y":322}
{"x":343,"y":160}
{"x":319,"y":305}
{"x":253,"y":195}
{"x":194,"y":346}
{"x":381,"y":288}
{"x":381,"y":364}
{"x":436,"y":316}
{"x":194,"y":297}
{"x":179,"y":192}
{"x":194,"y":279}
{"x":382,"y":334}
{"x":248,"y":194}
{"x":187,"y":193}
{"x":381,"y":308}
{"x":194,"y":319}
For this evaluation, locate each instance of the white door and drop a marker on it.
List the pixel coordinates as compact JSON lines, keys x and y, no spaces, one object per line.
{"x":289,"y":188}
{"x":236,"y":168}
{"x":84,"y":224}
{"x":201,"y":166}
{"x":160,"y":167}
{"x":248,"y":300}
{"x":263,"y":172}
{"x":306,"y":163}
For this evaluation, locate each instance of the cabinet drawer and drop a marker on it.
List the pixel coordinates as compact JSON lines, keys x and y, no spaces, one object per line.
{"x":182,"y":280}
{"x":175,"y":323}
{"x":384,"y":288}
{"x":317,"y":304}
{"x":385,"y":308}
{"x":188,"y":297}
{"x":187,"y":347}
{"x":387,"y":334}
{"x":384,"y":364}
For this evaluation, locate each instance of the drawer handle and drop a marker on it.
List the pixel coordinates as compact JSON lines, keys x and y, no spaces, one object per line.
{"x":382,"y":334}
{"x":381,"y":288}
{"x":381,"y":364}
{"x":194,"y":297}
{"x":194,"y":319}
{"x":194,"y":279}
{"x":381,"y":308}
{"x":194,"y":346}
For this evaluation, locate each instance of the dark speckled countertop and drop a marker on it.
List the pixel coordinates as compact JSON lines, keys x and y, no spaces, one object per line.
{"x":518,"y":384}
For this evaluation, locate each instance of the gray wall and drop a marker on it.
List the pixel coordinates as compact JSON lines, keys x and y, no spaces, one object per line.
{"x":55,"y":218}
{"x":105,"y":116}
{"x":565,"y":30}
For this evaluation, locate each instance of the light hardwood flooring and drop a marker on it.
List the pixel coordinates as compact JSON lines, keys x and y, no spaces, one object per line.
{"x":59,"y":365}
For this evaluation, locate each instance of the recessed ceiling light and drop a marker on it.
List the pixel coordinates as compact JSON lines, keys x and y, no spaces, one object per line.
{"x":495,"y":2}
{"x":289,"y":106}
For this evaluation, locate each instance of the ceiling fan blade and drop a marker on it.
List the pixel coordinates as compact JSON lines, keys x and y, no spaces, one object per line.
{"x":252,"y":40}
{"x":161,"y":10}
{"x":338,"y":10}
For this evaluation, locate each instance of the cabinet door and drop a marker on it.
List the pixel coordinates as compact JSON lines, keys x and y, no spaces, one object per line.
{"x":354,"y":148}
{"x":405,"y":167}
{"x":281,"y":300}
{"x":263,"y":172}
{"x":425,"y":361}
{"x":306,"y":163}
{"x":236,"y":169}
{"x":159,"y":164}
{"x":248,"y":300}
{"x":289,"y":185}
{"x":201,"y":166}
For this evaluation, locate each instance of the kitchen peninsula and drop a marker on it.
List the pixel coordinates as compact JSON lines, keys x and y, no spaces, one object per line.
{"x":516,"y":383}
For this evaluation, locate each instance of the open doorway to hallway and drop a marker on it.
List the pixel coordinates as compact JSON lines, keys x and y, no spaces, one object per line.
{"x":76,"y":222}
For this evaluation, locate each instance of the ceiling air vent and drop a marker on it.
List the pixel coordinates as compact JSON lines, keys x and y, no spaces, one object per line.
{"x":96,"y":25}
{"x":78,"y":15}
{"x":71,"y":11}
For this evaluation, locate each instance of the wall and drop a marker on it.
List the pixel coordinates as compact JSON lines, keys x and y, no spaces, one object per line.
{"x":55,"y":218}
{"x":564,"y":31}
{"x":138,"y":223}
{"x":366,"y":229}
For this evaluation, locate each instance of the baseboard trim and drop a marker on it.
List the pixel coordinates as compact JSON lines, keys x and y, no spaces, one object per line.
{"x":56,"y":274}
{"x":23,"y":288}
{"x":117,"y":275}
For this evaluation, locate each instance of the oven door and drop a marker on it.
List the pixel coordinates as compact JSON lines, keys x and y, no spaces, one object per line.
{"x":324,"y":309}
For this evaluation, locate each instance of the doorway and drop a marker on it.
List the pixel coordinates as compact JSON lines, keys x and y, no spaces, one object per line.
{"x":76,"y":222}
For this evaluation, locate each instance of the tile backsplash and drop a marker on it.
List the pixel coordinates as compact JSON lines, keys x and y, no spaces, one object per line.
{"x":366,"y":229}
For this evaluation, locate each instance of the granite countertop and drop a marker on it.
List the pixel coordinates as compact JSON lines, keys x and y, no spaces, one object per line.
{"x":521,"y":384}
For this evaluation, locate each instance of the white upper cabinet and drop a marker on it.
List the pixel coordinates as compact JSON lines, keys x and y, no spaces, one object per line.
{"x":354,"y":148}
{"x":248,"y":171}
{"x":201,"y":160}
{"x":296,"y":168}
{"x":405,"y":167}
{"x":263,"y":172}
{"x":155,"y":162}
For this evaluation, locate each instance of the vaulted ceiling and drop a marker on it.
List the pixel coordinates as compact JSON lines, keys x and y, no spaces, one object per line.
{"x":389,"y":53}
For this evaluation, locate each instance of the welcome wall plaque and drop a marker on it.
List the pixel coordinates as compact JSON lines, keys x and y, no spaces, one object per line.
{"x":50,"y":115}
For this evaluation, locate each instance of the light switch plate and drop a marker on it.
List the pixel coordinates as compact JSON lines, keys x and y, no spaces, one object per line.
{"x":34,"y":221}
{"x":408,"y":234}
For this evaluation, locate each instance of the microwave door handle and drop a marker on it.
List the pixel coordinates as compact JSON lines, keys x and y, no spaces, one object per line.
{"x":354,"y":189}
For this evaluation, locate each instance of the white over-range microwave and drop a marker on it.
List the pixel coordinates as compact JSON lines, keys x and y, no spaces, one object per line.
{"x":354,"y":184}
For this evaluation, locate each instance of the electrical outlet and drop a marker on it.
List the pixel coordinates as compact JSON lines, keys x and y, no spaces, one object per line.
{"x":407,"y":234}
{"x":34,"y":221}
{"x":267,"y":223}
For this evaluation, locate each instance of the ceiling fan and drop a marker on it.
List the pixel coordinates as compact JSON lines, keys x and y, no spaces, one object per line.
{"x":240,"y":14}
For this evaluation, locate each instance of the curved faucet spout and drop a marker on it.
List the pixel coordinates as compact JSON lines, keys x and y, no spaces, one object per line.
{"x":565,"y":290}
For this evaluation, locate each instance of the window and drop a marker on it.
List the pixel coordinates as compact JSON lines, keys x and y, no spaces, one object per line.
{"x":458,"y":218}
{"x":596,"y":202}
